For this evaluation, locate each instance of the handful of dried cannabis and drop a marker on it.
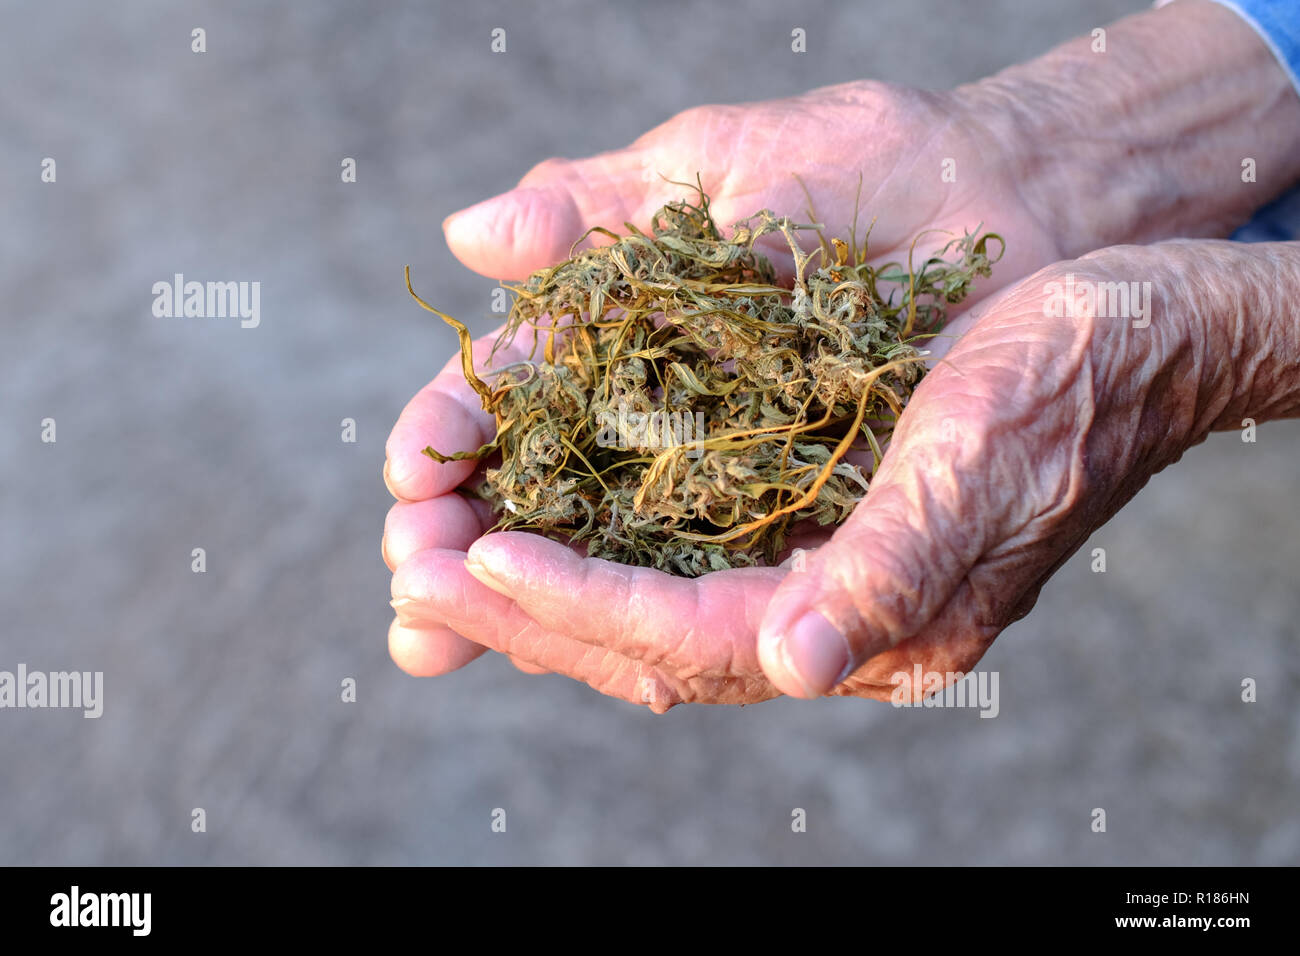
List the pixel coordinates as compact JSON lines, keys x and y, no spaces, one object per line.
{"x":688,"y":411}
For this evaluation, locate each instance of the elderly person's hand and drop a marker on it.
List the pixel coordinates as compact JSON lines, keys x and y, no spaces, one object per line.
{"x":1013,"y":152}
{"x":1067,"y":393}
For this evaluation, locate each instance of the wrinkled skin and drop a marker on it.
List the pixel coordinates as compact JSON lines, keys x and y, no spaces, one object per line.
{"x":1025,"y":437}
{"x":1029,"y":435}
{"x":759,"y":145}
{"x":829,"y":136}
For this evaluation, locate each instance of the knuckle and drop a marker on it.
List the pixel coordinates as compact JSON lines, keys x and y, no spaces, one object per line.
{"x":547,"y":170}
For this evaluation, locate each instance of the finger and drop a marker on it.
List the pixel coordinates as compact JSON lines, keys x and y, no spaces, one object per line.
{"x":436,"y":584}
{"x":982,"y":452}
{"x":447,"y":415}
{"x":429,"y":651}
{"x":528,"y":668}
{"x":951,"y":644}
{"x":448,"y":521}
{"x":889,"y":570}
{"x":535,"y":224}
{"x":695,"y":626}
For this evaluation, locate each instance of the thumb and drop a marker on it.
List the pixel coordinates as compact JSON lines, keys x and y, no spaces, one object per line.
{"x":535,"y":224}
{"x":884,"y":575}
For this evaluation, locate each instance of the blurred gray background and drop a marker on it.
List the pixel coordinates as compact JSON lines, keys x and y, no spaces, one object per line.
{"x":1122,"y":690}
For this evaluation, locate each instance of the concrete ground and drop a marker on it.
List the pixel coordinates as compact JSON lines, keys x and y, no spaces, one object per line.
{"x":222,"y":689}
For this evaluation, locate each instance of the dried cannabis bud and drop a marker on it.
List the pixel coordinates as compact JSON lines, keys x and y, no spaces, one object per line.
{"x":688,"y":411}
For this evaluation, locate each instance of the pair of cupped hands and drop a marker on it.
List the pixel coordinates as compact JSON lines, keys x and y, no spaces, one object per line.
{"x":1030,"y":430}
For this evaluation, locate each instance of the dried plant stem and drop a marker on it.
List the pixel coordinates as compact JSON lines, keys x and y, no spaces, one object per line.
{"x":687,"y":411}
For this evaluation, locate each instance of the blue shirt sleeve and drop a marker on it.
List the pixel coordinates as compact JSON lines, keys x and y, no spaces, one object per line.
{"x":1278,"y":24}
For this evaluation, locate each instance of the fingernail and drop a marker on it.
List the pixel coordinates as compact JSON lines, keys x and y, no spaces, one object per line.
{"x":485,"y":577}
{"x":816,"y":654}
{"x":401,"y":606}
{"x":396,"y":471}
